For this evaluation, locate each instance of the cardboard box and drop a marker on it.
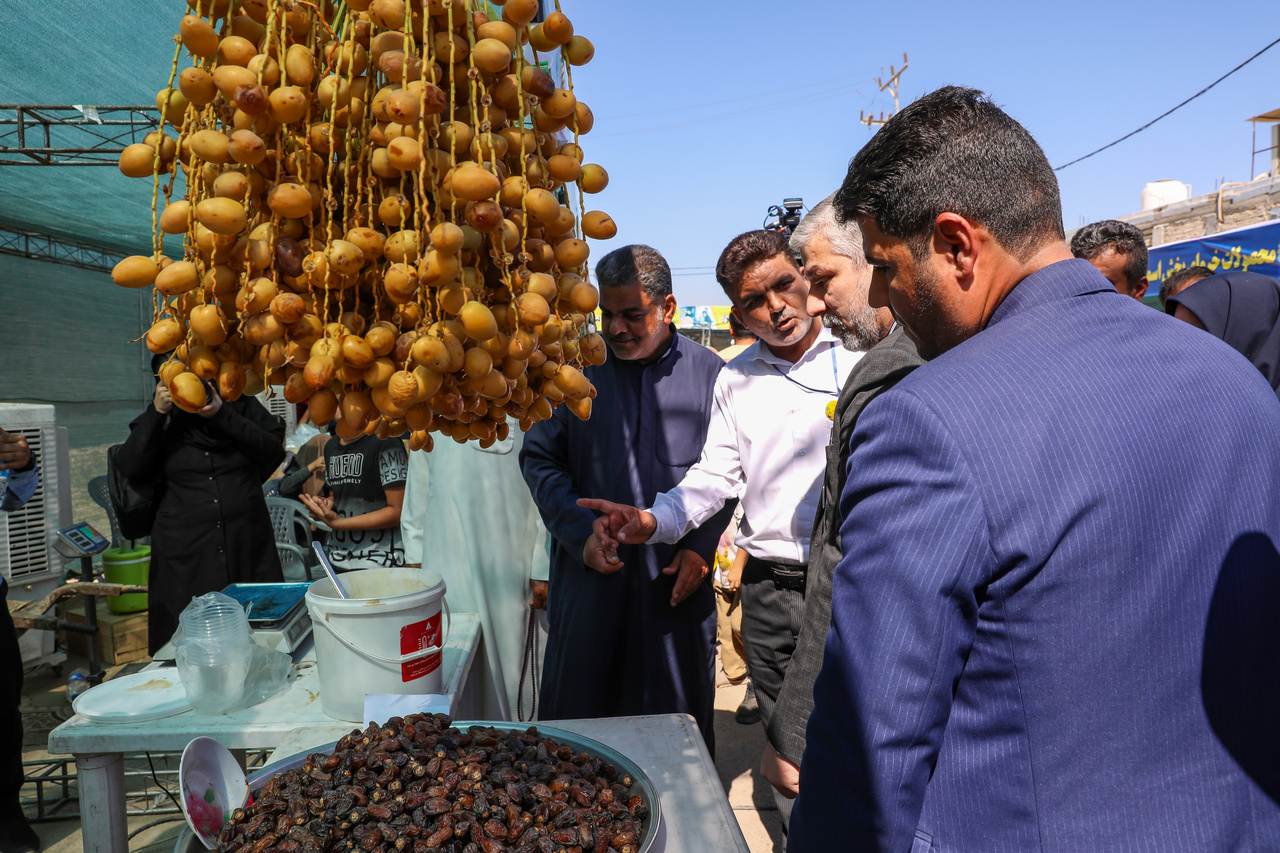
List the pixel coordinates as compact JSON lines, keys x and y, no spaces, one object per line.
{"x":122,"y":637}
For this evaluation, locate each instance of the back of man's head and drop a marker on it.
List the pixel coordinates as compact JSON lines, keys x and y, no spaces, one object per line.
{"x":953,"y":150}
{"x":634,"y":264}
{"x":1120,"y":237}
{"x":739,"y":331}
{"x":744,"y":252}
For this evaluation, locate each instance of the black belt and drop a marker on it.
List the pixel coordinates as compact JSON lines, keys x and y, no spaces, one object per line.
{"x":784,"y":575}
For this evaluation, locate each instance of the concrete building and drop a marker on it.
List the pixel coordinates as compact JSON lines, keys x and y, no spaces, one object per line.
{"x":1233,"y":205}
{"x":1170,"y":214}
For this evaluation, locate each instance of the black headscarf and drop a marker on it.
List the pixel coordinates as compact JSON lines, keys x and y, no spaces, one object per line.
{"x":1243,"y":309}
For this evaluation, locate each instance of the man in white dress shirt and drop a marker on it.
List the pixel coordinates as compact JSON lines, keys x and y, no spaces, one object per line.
{"x":766,"y":446}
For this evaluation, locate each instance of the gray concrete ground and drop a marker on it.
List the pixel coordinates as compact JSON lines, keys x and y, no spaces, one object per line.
{"x":738,"y":750}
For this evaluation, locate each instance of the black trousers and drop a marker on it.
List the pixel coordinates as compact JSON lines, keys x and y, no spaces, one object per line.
{"x":10,"y":715}
{"x":772,"y":612}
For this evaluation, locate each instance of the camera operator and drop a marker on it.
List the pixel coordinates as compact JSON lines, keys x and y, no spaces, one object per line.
{"x":16,"y":835}
{"x":211,"y":525}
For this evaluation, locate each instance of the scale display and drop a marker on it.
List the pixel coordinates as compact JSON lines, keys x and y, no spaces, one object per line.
{"x":80,"y":540}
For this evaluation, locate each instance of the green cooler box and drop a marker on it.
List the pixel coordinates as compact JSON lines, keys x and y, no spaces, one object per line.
{"x":125,"y":566}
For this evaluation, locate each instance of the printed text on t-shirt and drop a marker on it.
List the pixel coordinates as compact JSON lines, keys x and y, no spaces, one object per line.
{"x":346,"y":468}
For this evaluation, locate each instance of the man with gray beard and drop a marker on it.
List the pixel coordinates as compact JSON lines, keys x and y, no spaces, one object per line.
{"x":839,"y":281}
{"x":770,"y":424}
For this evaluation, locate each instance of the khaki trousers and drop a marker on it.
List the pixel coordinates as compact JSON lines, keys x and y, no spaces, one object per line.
{"x":729,"y":634}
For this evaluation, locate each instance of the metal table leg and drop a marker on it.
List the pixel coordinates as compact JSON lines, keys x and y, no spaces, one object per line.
{"x":103,"y":823}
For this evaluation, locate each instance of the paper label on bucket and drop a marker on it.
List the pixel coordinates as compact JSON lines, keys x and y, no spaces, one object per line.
{"x":415,"y":638}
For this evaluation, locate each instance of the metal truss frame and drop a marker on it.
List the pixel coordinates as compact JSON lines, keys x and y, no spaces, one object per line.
{"x":71,"y":134}
{"x":35,"y":245}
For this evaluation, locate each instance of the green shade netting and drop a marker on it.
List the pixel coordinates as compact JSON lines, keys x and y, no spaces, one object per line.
{"x":89,"y":53}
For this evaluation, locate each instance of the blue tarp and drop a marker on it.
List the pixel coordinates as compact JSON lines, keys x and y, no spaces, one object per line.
{"x":1252,"y":248}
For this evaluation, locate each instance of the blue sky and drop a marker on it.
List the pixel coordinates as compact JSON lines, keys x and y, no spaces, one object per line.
{"x":707,"y":113}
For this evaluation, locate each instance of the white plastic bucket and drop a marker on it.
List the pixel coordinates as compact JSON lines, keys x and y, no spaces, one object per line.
{"x":386,"y":638}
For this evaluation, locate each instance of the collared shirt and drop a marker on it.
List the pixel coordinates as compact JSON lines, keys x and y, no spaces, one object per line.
{"x":765,"y":445}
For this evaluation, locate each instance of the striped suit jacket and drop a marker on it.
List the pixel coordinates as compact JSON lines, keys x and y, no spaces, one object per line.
{"x":1048,"y":632}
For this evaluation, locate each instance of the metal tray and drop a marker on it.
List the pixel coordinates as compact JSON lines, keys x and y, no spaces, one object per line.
{"x":273,"y":604}
{"x":652,"y":825}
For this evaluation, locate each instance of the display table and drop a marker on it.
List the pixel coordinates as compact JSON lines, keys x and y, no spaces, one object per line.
{"x":98,"y":747}
{"x":696,"y":815}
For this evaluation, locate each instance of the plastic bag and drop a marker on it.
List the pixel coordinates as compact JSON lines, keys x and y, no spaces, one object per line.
{"x":268,"y":675}
{"x":300,"y":436}
{"x":219,"y":664}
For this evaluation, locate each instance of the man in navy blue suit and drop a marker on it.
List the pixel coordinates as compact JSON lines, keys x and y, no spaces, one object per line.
{"x":1015,"y":661}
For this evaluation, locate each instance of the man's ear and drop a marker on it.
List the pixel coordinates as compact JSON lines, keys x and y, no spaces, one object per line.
{"x":1139,"y":290}
{"x":955,"y":245}
{"x":668,"y":308}
{"x":878,"y":290}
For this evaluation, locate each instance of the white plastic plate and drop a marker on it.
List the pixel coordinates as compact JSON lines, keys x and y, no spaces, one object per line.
{"x":147,"y":695}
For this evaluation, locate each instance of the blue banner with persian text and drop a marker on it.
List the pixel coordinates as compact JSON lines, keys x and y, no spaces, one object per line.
{"x":1254,"y":248}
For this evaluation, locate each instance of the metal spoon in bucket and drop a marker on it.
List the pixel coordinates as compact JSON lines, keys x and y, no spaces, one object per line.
{"x":328,"y":570}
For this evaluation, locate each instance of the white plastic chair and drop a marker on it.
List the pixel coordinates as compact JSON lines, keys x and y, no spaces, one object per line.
{"x":288,"y":519}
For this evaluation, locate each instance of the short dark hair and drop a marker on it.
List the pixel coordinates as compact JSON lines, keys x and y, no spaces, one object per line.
{"x":1176,"y":282}
{"x":745,"y":251}
{"x":954,"y":150}
{"x":636,"y":263}
{"x":738,"y":329}
{"x":1120,"y":237}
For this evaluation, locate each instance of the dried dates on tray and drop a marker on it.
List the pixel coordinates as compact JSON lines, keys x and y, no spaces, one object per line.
{"x":417,"y":785}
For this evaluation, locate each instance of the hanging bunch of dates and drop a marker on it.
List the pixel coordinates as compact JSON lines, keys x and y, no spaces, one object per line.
{"x":382,"y":214}
{"x":418,"y":786}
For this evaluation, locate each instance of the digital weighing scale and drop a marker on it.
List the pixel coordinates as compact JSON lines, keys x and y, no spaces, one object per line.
{"x":79,"y":540}
{"x":277,"y":612}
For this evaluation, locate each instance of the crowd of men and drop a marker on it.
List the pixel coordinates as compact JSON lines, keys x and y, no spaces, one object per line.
{"x":1007,"y":567}
{"x":980,"y":610}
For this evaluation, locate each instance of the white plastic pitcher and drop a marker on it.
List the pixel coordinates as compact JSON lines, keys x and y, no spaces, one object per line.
{"x":386,"y":638}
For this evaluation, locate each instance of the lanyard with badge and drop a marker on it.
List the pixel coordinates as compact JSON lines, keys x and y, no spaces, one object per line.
{"x":835,"y":373}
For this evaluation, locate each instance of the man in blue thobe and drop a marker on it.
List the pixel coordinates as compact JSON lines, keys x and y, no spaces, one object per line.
{"x":639,"y":640}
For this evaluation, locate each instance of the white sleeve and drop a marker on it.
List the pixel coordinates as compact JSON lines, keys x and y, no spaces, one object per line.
{"x":708,"y":485}
{"x":415,"y":505}
{"x":541,"y":570}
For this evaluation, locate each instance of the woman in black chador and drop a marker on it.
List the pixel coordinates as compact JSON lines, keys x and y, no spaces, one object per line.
{"x":211,"y":527}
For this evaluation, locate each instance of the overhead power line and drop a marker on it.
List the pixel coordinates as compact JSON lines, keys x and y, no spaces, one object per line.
{"x":843,"y":78}
{"x":1170,"y":112}
{"x":755,"y":109}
